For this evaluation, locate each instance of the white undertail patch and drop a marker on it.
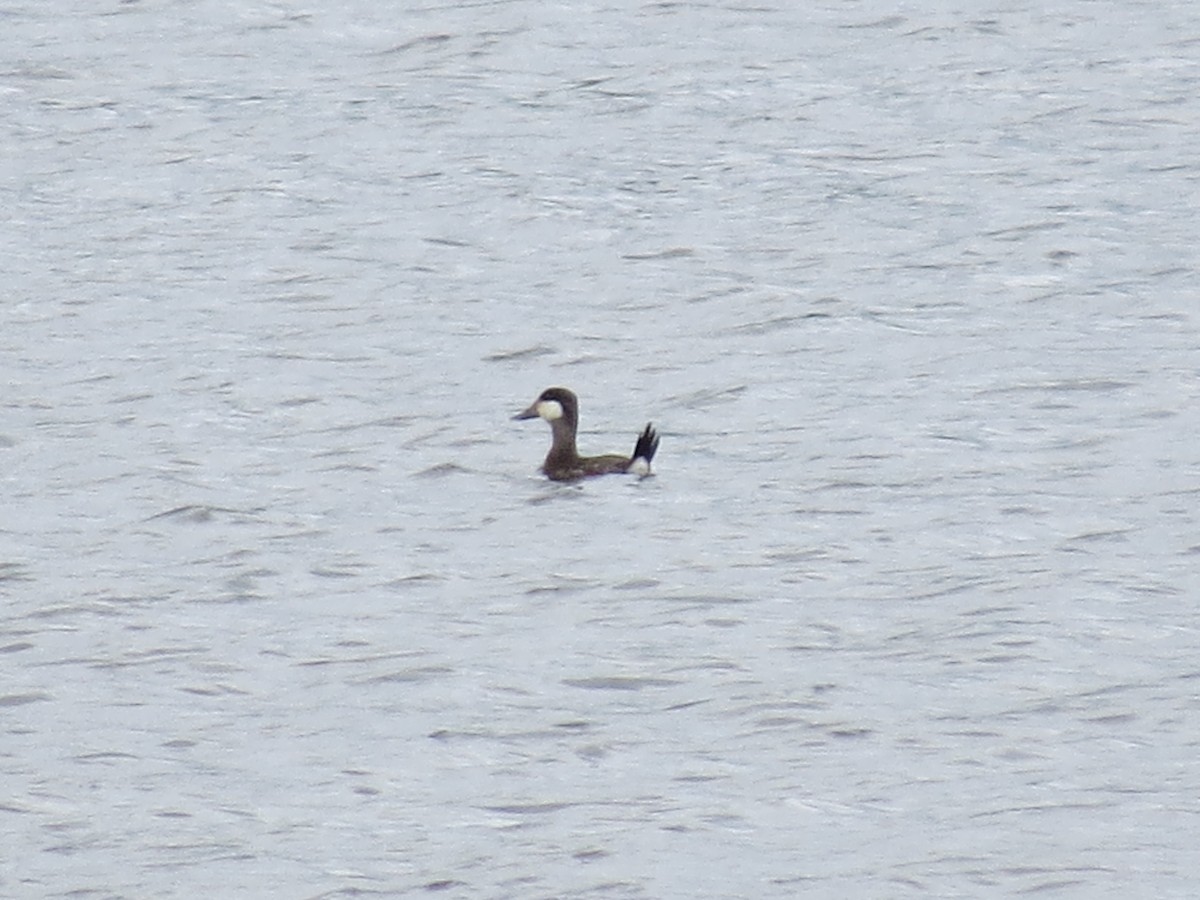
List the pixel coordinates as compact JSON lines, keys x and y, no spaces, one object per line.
{"x":639,"y":466}
{"x":549,"y":410}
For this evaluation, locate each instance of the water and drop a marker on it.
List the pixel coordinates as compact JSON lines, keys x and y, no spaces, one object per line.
{"x":908,"y":609}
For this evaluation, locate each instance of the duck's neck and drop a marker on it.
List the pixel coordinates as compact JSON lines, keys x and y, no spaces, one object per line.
{"x":563,"y":447}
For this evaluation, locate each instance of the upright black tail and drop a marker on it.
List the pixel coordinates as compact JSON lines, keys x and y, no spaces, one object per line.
{"x":646,"y":446}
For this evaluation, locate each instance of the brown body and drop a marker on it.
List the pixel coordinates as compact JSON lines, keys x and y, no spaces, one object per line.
{"x":560,"y":408}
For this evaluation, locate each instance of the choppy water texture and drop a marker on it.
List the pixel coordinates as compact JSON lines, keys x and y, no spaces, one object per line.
{"x":910,"y":607}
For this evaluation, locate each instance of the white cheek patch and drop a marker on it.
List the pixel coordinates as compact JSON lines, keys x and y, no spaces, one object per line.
{"x":549,"y":410}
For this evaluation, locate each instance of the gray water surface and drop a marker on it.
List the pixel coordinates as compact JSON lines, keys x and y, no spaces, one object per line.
{"x":909,"y":608}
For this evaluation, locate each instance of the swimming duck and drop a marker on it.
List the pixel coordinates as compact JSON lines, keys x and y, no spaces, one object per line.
{"x":560,"y":408}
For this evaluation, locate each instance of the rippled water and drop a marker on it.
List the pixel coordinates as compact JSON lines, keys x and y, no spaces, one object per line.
{"x":909,"y":609}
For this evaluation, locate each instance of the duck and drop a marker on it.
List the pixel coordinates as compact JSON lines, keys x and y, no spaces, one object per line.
{"x":560,"y":408}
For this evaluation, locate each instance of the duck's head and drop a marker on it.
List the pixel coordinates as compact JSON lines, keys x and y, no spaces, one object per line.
{"x":552,"y":404}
